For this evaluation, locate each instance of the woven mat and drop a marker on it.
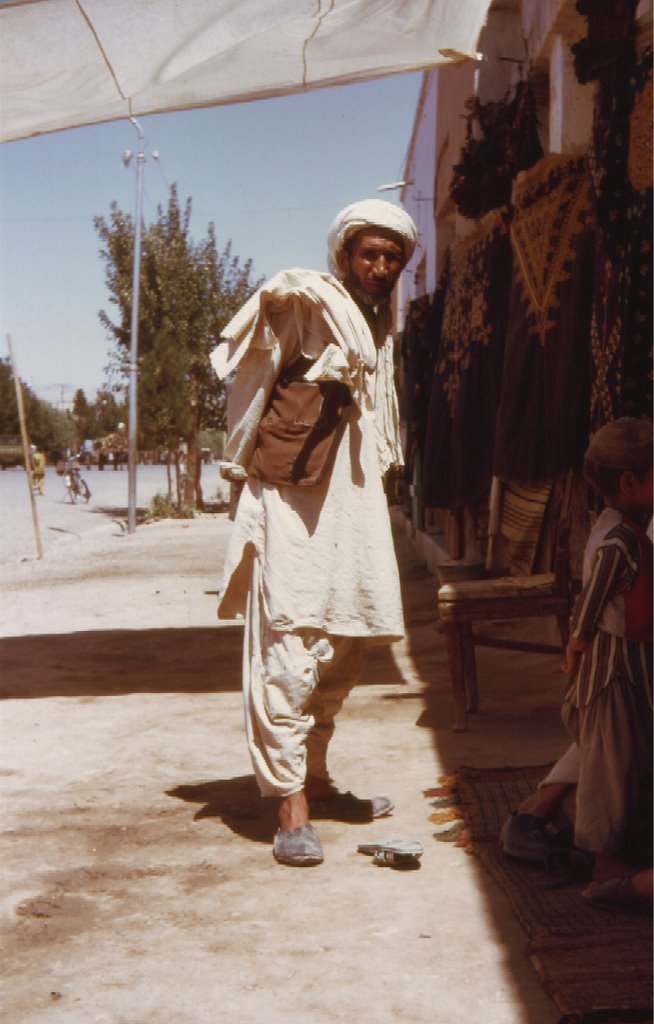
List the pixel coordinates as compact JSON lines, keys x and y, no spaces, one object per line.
{"x":595,"y":964}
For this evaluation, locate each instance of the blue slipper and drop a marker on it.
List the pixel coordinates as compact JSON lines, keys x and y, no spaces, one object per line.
{"x":348,"y":807}
{"x":299,"y":847}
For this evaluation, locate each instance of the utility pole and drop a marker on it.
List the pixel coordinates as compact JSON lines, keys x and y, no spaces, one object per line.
{"x":27,"y":455}
{"x":132,"y":411}
{"x":132,"y":420}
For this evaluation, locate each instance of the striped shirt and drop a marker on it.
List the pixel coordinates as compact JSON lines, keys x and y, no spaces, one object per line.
{"x":611,"y":566}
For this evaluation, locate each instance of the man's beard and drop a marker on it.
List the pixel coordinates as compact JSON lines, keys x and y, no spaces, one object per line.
{"x":360,"y":296}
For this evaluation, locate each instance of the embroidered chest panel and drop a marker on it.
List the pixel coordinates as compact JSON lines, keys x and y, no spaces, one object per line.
{"x":552,"y":205}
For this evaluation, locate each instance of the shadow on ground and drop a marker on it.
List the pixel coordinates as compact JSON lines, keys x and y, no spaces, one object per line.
{"x":117,"y":662}
{"x":122,"y":661}
{"x":236,"y":802}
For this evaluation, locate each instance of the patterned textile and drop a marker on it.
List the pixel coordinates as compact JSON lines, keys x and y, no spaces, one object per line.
{"x":501,"y":140}
{"x":621,"y":329}
{"x":418,"y":350}
{"x":523,"y":510}
{"x":542,"y":425}
{"x":639,"y":161}
{"x":466,"y":383}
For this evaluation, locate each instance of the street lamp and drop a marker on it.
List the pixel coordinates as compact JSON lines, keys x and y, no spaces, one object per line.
{"x":393,"y":185}
{"x":132,"y":416}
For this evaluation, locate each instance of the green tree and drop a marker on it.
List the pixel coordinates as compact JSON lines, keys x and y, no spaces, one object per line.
{"x":82,"y":414}
{"x":188,"y":292}
{"x":103,"y":414}
{"x":8,"y":409}
{"x":51,"y":429}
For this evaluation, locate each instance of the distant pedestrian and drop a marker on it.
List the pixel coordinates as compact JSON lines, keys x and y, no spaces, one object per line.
{"x":38,"y":470}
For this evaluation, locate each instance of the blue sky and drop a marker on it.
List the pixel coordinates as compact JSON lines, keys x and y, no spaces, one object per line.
{"x":270,"y":174}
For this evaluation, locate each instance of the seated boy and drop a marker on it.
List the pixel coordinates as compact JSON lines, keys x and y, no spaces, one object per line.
{"x":607,"y":704}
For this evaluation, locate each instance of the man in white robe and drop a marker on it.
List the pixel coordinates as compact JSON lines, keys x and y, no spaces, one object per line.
{"x":313,"y":568}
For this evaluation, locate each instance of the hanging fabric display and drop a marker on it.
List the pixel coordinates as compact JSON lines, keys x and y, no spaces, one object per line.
{"x":418,"y":351}
{"x":418,"y":348}
{"x":501,"y":139}
{"x":542,"y":426}
{"x":465,"y":388}
{"x":621,"y":166}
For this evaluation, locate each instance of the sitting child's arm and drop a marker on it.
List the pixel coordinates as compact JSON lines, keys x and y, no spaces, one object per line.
{"x":609,"y":575}
{"x":573,"y":653}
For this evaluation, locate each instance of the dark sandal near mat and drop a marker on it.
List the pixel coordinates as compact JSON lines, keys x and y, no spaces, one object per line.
{"x":525,"y":837}
{"x":396,"y":853}
{"x":564,"y":866}
{"x":350,"y":808}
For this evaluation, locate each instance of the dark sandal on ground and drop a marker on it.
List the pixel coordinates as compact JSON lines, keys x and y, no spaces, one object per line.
{"x":348,"y":807}
{"x":565,"y":866}
{"x":299,"y":847}
{"x":396,"y":853}
{"x":615,"y":894}
{"x":524,"y":837}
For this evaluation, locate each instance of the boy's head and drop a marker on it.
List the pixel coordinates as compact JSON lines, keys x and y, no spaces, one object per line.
{"x":619,"y":460}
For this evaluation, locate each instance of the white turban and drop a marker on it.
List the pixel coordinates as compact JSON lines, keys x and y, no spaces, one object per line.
{"x":369,"y":213}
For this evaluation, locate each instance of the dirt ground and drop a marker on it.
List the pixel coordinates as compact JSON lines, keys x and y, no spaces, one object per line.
{"x":138,"y":883}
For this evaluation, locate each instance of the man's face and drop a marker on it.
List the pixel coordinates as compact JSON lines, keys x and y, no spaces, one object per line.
{"x":373,"y":263}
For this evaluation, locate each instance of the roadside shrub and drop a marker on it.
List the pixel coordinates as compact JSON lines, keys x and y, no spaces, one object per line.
{"x":161,"y":507}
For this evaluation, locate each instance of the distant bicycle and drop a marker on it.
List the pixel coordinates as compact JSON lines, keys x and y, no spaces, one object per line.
{"x":77,"y":489}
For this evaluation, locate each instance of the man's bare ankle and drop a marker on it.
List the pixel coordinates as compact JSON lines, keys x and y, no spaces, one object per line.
{"x":293,"y":811}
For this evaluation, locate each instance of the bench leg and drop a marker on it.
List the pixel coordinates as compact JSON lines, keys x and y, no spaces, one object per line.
{"x":455,"y":649}
{"x":470,"y":667}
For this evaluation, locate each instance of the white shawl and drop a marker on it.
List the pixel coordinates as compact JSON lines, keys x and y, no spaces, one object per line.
{"x":317,"y":309}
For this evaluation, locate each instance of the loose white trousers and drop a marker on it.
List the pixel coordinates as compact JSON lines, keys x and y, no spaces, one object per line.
{"x":294,"y":684}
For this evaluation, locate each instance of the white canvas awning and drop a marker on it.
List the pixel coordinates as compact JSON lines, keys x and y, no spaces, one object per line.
{"x":65,"y":63}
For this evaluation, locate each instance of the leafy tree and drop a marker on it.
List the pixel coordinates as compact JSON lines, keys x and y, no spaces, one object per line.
{"x":8,"y":408}
{"x":188,"y":292}
{"x":100,"y":417}
{"x":49,"y":428}
{"x":108,"y":412}
{"x":52,"y":430}
{"x":82,"y":414}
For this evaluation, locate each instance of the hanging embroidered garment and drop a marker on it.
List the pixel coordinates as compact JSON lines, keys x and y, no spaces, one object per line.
{"x":418,"y":354}
{"x":501,"y":139}
{"x":542,"y":424}
{"x":465,"y":389}
{"x":621,"y":328}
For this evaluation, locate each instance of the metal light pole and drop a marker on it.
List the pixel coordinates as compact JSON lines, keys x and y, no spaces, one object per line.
{"x":132,"y":415}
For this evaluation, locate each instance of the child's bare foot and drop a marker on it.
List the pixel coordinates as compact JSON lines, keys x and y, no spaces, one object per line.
{"x":621,"y":893}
